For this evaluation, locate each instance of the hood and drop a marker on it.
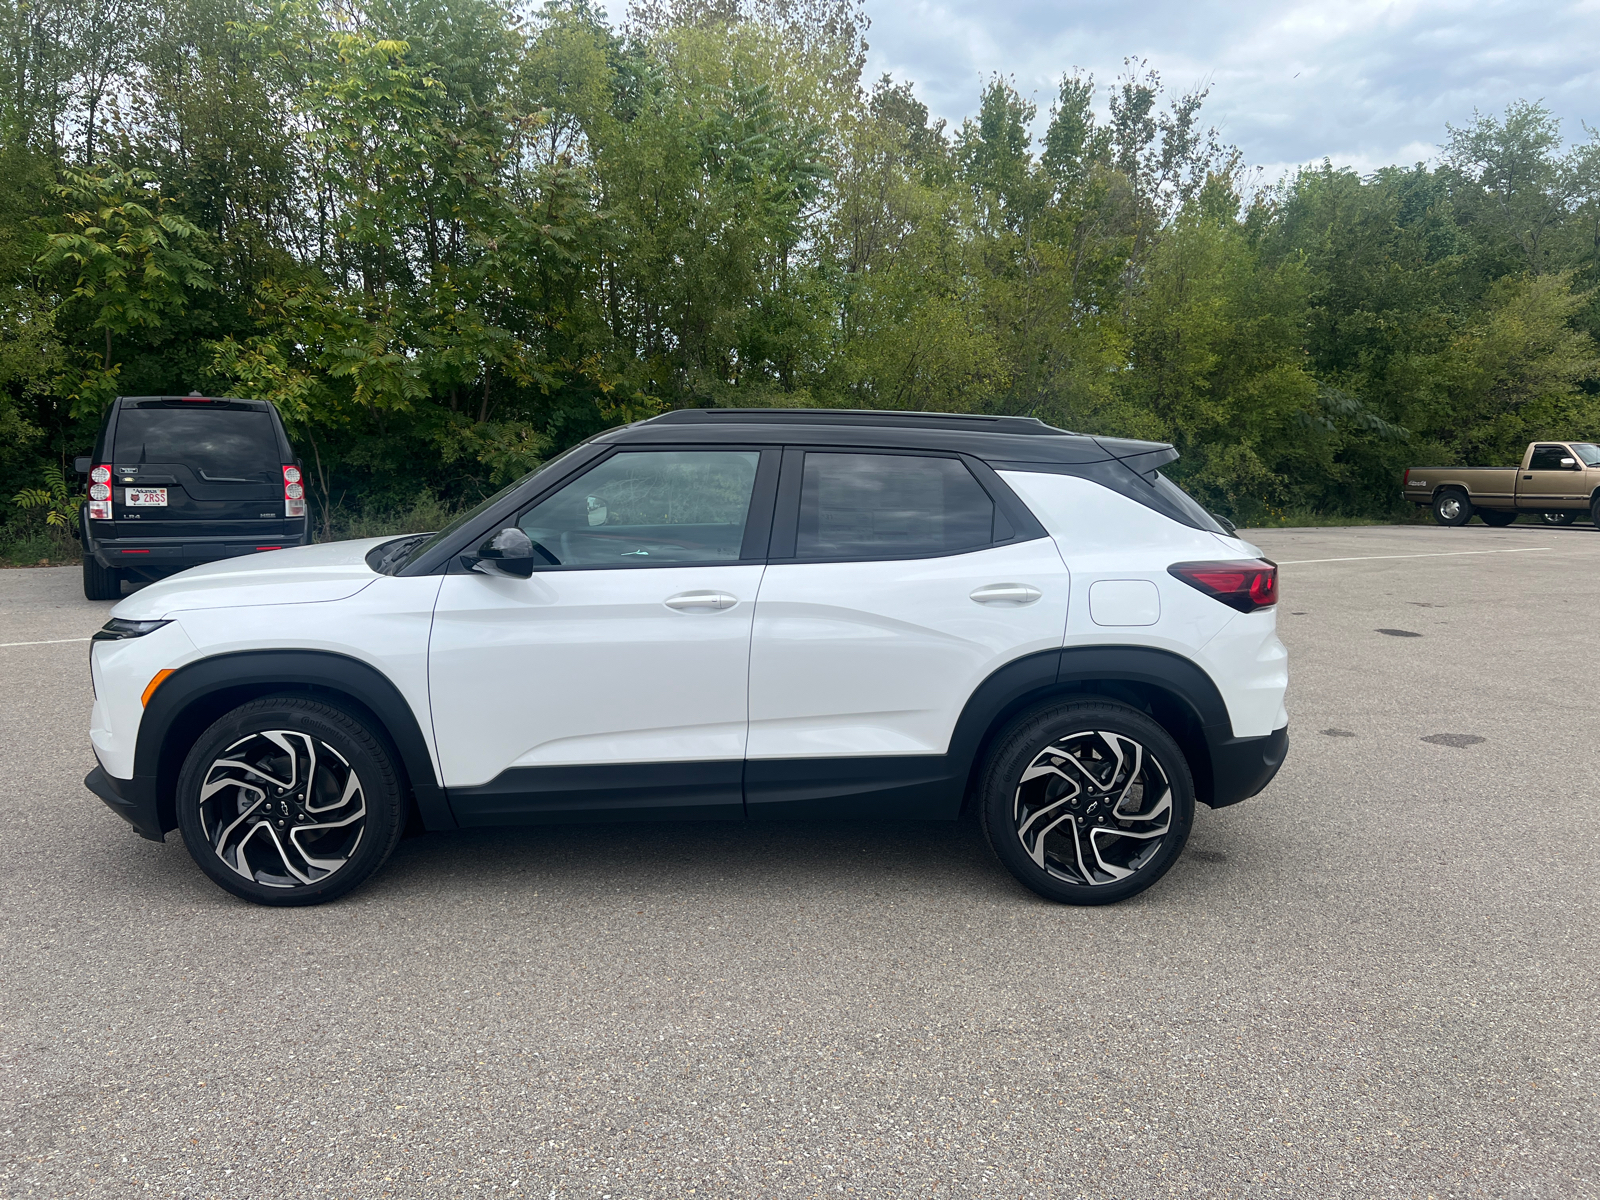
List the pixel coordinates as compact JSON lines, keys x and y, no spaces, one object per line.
{"x":300,"y":575}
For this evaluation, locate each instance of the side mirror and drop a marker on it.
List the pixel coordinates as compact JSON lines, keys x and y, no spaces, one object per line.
{"x":509,"y":552}
{"x":1569,"y":464}
{"x":82,"y":464}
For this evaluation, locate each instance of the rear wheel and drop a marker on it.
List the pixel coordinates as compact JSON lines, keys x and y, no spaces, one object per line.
{"x":1558,"y":517}
{"x":1496,"y":518}
{"x":1087,"y":803}
{"x":1594,"y":510}
{"x":1452,"y":508}
{"x":286,"y":801}
{"x":100,"y":583}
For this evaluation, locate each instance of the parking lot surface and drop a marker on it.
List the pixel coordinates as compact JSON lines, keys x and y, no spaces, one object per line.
{"x":1378,"y":978}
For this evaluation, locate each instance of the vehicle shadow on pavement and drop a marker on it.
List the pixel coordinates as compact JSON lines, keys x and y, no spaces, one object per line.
{"x":731,"y":859}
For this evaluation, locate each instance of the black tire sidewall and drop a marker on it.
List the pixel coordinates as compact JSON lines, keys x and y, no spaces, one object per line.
{"x":362,"y":749}
{"x":1466,"y":508}
{"x":1029,"y":734}
{"x":100,"y":583}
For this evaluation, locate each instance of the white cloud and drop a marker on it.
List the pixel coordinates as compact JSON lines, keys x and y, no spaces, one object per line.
{"x":1364,"y":83}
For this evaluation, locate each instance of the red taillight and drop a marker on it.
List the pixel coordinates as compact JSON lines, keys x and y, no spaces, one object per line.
{"x":100,"y":492}
{"x":269,"y":547}
{"x":1246,"y":585}
{"x":1406,"y":482}
{"x":294,"y":493}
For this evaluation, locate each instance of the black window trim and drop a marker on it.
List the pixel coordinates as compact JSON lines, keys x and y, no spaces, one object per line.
{"x":752,"y":550}
{"x":1024,"y":525}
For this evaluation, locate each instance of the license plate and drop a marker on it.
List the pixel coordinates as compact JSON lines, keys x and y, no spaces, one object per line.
{"x":156,"y":497}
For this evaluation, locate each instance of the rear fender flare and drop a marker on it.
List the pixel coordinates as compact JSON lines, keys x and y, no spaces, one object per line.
{"x":1177,"y":692}
{"x":194,"y":696}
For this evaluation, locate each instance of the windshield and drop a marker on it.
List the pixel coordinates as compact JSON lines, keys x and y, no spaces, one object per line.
{"x":1589,"y":452}
{"x":398,"y":554}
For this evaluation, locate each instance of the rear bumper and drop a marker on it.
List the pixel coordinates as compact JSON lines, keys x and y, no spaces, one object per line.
{"x":1241,"y":767}
{"x":176,"y":554}
{"x":134,"y":800}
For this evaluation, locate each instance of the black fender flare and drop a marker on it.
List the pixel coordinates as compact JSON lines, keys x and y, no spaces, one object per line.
{"x":194,"y":696}
{"x":1176,"y":690}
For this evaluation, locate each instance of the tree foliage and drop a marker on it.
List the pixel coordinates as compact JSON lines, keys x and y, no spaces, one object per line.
{"x":450,"y":237}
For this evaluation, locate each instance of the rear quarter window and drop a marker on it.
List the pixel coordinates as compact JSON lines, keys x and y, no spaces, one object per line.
{"x":218,"y":442}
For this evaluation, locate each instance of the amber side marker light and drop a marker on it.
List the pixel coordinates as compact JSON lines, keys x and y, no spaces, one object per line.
{"x":160,"y":678}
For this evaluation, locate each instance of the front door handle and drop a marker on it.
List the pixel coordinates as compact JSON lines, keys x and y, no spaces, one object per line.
{"x":700,"y":601}
{"x":1006,"y":593}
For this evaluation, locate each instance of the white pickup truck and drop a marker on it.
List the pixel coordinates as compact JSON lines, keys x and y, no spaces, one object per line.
{"x":1558,"y":482}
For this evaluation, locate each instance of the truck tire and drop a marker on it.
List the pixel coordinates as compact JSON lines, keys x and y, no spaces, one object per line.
{"x":100,"y":583}
{"x":1451,"y":507}
{"x":1497,"y":519}
{"x":1558,"y":517}
{"x":1594,"y":510}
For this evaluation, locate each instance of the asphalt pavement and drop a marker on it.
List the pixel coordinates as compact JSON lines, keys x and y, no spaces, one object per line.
{"x":1378,"y":978}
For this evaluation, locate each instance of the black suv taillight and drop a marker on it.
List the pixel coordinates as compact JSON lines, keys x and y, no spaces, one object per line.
{"x":100,"y":492}
{"x":294,"y":492}
{"x":1247,"y":585}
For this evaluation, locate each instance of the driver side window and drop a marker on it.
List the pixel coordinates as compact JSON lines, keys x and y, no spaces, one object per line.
{"x":648,"y":507}
{"x":1547,"y":458}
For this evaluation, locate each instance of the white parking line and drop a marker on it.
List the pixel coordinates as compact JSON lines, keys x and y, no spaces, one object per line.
{"x":1299,"y":562}
{"x":46,"y":642}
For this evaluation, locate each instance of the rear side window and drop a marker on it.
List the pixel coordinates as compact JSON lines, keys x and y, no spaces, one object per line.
{"x":890,"y":505}
{"x":215,"y":443}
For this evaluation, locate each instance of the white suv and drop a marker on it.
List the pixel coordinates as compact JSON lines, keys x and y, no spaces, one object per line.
{"x":720,"y":615}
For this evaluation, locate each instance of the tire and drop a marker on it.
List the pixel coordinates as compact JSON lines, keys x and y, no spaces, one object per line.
{"x":1558,"y":517}
{"x":1451,"y":507}
{"x":1594,"y":510}
{"x":1024,"y":802}
{"x":1497,"y":519}
{"x":100,"y":583}
{"x":354,"y":800}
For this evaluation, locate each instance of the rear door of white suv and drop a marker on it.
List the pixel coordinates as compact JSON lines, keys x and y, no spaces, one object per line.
{"x":897,"y":582}
{"x":615,"y":678}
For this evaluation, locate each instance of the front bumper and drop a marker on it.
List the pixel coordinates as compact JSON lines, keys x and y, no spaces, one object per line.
{"x":134,"y":800}
{"x":1241,"y":767}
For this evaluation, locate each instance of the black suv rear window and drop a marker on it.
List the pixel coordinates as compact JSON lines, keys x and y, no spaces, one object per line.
{"x":222,"y":443}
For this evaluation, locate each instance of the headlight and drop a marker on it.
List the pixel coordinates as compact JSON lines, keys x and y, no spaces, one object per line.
{"x":118,"y":629}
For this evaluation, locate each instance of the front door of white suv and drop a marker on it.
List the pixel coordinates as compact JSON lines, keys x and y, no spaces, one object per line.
{"x":896,"y":586}
{"x":615,"y":678}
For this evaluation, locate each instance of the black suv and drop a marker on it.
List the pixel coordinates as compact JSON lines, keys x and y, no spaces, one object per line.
{"x":180,"y":480}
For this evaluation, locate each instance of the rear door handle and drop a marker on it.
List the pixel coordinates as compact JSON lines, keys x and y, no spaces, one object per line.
{"x":700,"y":601}
{"x":1006,"y":593}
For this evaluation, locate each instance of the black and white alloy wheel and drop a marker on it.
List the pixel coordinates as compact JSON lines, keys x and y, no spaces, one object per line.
{"x":1087,"y":803}
{"x":287,"y":801}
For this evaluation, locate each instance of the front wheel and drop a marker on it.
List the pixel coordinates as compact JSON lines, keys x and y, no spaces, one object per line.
{"x":1558,"y":517}
{"x":286,"y":801}
{"x":1087,"y":803}
{"x":1496,"y":518}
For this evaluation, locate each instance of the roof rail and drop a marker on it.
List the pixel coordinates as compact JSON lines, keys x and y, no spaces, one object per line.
{"x":856,"y":416}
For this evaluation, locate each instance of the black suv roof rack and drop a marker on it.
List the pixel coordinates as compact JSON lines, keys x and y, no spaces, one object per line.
{"x":972,"y":422}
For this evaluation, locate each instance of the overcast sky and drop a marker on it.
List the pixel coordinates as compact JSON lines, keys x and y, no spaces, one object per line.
{"x":1363,"y":82}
